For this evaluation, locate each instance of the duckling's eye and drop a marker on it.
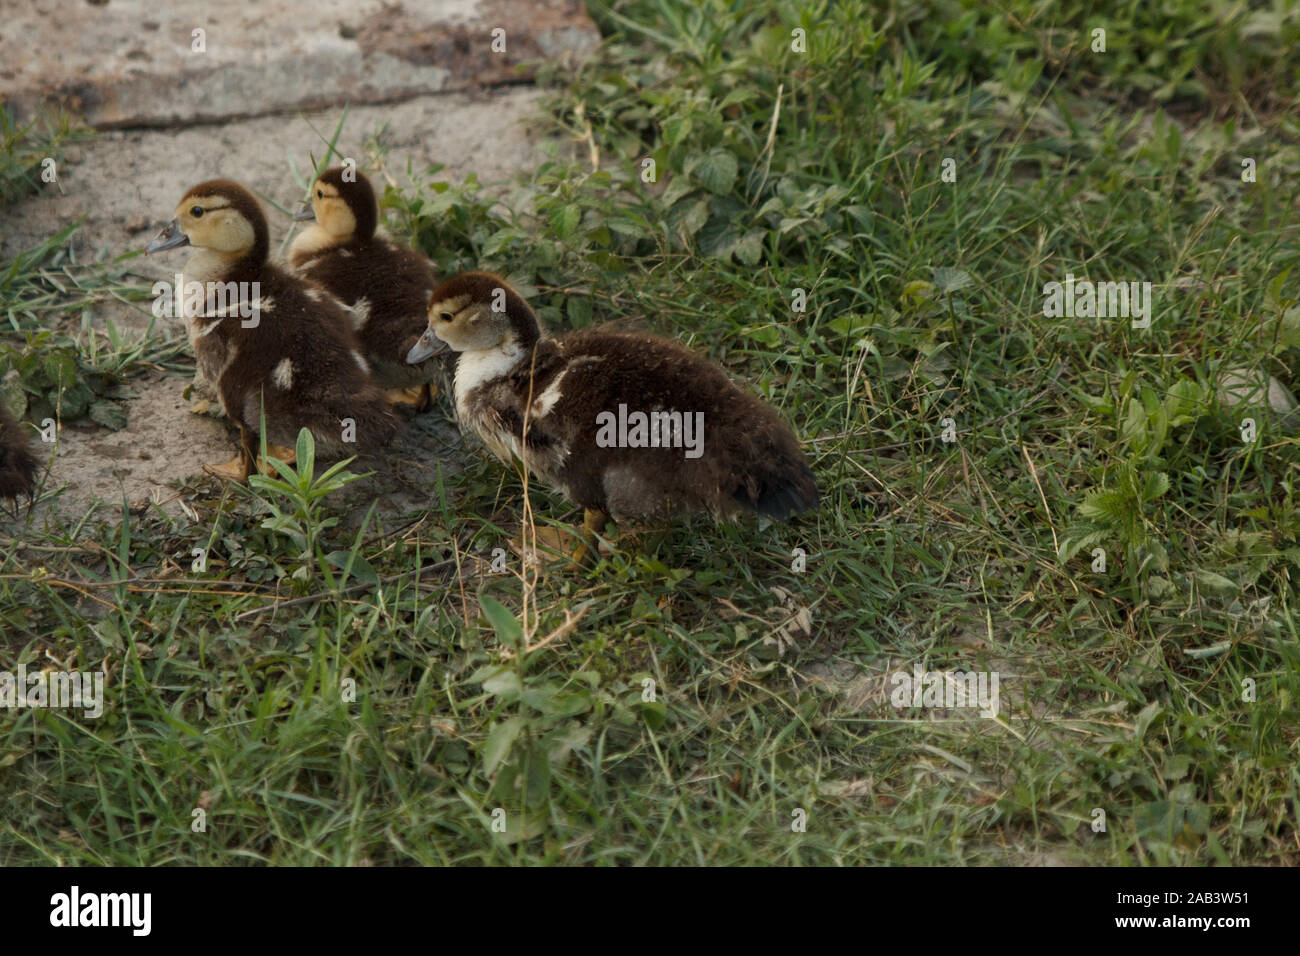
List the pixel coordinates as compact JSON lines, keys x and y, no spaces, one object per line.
{"x":445,"y":316}
{"x":196,"y":211}
{"x":320,"y":194}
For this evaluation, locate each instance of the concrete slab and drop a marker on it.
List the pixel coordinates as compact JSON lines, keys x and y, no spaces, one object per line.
{"x":126,"y":182}
{"x":133,"y":63}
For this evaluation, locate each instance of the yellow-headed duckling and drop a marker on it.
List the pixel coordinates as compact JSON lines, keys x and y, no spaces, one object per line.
{"x":386,"y":285}
{"x":267,"y":340}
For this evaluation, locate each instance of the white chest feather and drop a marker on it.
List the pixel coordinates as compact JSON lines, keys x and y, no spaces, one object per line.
{"x":476,"y":369}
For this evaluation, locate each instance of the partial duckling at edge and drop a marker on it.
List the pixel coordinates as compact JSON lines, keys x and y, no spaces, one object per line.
{"x":386,"y":285}
{"x":17,"y":463}
{"x":277,"y":344}
{"x":582,"y":410}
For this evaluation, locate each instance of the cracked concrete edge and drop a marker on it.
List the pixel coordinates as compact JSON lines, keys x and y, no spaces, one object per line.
{"x":130,"y":63}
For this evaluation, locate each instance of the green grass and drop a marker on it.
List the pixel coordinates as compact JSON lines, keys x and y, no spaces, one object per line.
{"x":341,"y":688}
{"x":56,"y":361}
{"x":30,"y":152}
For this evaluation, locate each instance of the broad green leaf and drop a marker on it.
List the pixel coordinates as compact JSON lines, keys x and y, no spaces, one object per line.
{"x":716,"y":171}
{"x":695,"y":218}
{"x":558,"y":703}
{"x":676,"y":128}
{"x":1145,"y":718}
{"x":1215,"y":583}
{"x":306,"y":452}
{"x":499,"y":741}
{"x":362,"y":570}
{"x":678,"y":188}
{"x":718,"y":239}
{"x":503,"y":682}
{"x":750,"y":249}
{"x":654,"y":713}
{"x":579,"y":309}
{"x":565,"y":219}
{"x":565,"y":739}
{"x":1156,"y":484}
{"x":1134,"y":427}
{"x":508,"y":629}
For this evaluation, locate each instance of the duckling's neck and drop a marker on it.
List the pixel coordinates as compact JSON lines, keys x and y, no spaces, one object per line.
{"x":312,"y":240}
{"x":479,"y":367}
{"x":213,"y":265}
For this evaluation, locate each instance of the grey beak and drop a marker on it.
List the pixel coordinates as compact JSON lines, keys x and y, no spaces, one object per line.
{"x":428,"y":345}
{"x":304,"y":214}
{"x":170,"y":237}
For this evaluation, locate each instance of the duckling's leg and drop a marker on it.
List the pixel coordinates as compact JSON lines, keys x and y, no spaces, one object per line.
{"x":409,"y":396}
{"x":239,"y":467}
{"x":427,"y":393}
{"x":287,"y":455}
{"x":593,"y":522}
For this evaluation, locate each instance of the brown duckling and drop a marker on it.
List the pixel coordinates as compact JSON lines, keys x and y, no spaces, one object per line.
{"x":626,"y":425}
{"x":17,"y":463}
{"x":386,"y":285}
{"x":268,"y":340}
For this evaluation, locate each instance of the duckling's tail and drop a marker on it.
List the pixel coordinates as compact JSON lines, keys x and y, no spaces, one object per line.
{"x":779,"y":489}
{"x":17,"y":463}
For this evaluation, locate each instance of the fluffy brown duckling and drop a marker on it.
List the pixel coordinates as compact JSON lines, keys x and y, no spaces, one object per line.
{"x":276,"y":343}
{"x":386,"y":285}
{"x":17,"y":463}
{"x":627,"y":425}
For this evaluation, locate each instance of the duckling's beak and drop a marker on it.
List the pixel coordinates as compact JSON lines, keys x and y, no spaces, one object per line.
{"x":170,"y":236}
{"x":428,"y":345}
{"x":305,"y":213}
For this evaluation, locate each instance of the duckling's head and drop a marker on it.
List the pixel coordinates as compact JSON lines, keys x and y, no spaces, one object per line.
{"x":220,"y":215}
{"x":343,"y":205}
{"x":476,"y":311}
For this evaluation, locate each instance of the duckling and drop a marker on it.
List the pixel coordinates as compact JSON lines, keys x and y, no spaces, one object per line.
{"x":276,"y":343}
{"x":386,"y":285}
{"x":691,"y":441}
{"x":17,"y":463}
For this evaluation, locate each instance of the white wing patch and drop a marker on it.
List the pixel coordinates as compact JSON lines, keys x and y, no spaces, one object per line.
{"x":359,"y":312}
{"x":282,"y":374}
{"x":544,"y":402}
{"x":361,"y":363}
